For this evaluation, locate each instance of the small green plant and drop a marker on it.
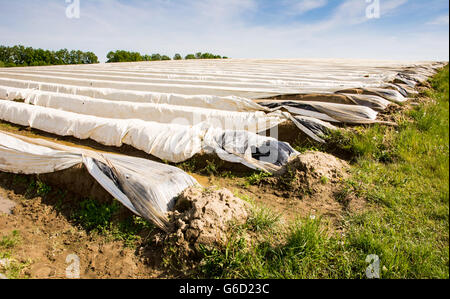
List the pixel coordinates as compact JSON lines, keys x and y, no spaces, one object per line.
{"x":32,"y":185}
{"x":13,"y":269}
{"x":99,"y":218}
{"x":227,"y":174}
{"x":11,"y":241}
{"x":189,"y":165}
{"x":129,"y":229}
{"x":211,"y":168}
{"x":306,"y":145}
{"x":94,"y":216}
{"x":257,"y":178}
{"x":245,"y":197}
{"x":42,"y":189}
{"x":262,"y":219}
{"x":217,"y":262}
{"x":288,"y":178}
{"x":324,"y":180}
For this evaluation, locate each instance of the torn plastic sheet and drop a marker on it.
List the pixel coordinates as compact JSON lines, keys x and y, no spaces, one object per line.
{"x":249,"y":149}
{"x":388,"y":94}
{"x":374,"y":102}
{"x":316,"y":126}
{"x":330,"y":112}
{"x":170,"y":142}
{"x":404,"y":89}
{"x":371,"y":101}
{"x":147,"y":188}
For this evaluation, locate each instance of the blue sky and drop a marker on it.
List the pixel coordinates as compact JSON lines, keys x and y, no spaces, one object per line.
{"x":406,"y":29}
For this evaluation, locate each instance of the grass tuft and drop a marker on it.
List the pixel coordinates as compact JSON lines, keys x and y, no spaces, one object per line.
{"x":100,"y":218}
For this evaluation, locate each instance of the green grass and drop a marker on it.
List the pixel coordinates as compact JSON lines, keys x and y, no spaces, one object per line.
{"x":34,"y":187}
{"x":262,"y":219}
{"x":306,"y":253}
{"x":9,"y":242}
{"x":403,"y":173}
{"x":100,"y":218}
{"x":257,"y":177}
{"x":12,"y":269}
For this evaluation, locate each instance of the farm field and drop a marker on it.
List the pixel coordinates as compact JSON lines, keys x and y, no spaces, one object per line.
{"x":356,"y":165}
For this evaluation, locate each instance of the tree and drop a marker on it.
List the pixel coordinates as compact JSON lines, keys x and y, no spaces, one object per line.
{"x":177,"y":57}
{"x":123,"y":56}
{"x":62,"y":56}
{"x":110,"y":56}
{"x":209,"y":56}
{"x":200,"y":55}
{"x":156,"y":57}
{"x":27,"y":56}
{"x":89,"y":58}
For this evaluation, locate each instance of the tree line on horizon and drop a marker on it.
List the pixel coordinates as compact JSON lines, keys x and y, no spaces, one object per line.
{"x":17,"y":56}
{"x":28,"y":56}
{"x":126,"y":56}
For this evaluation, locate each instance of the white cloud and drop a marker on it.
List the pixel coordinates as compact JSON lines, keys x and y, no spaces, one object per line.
{"x":304,"y":6}
{"x":353,"y":12}
{"x":389,"y":7}
{"x":440,"y":20}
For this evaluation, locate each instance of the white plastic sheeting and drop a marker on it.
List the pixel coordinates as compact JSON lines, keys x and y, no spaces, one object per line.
{"x":230,"y":103}
{"x":251,"y":120}
{"x":147,"y":188}
{"x":371,"y":101}
{"x":171,"y":142}
{"x":250,"y":79}
{"x":236,"y":77}
{"x":166,"y":113}
{"x":174,"y":110}
{"x":326,"y":111}
{"x":258,"y":121}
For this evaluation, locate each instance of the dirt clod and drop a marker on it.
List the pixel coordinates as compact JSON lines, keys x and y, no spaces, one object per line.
{"x":6,"y":206}
{"x":203,"y":217}
{"x":310,"y":172}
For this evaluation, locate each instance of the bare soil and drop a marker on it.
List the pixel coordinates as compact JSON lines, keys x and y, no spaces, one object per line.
{"x":47,"y":235}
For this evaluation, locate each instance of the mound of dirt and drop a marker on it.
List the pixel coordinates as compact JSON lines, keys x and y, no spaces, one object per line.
{"x":320,"y":165}
{"x":309,"y":173}
{"x":203,"y":217}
